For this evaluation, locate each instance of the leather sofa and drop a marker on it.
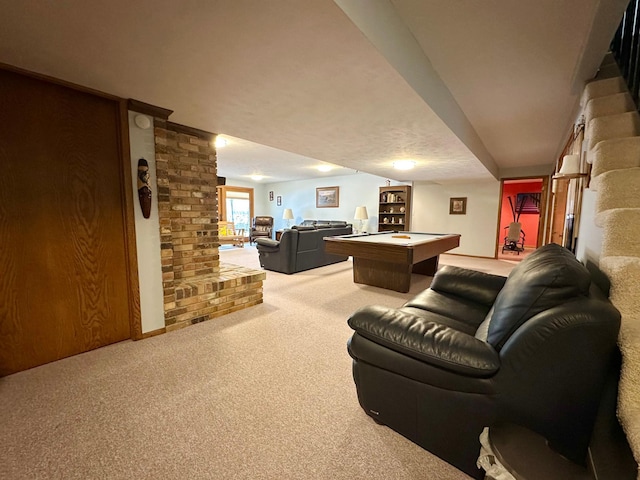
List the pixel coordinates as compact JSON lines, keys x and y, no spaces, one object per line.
{"x":475,"y":350}
{"x":301,"y":248}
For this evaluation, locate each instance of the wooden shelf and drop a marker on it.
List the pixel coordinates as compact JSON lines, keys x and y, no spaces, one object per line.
{"x":394,"y":198}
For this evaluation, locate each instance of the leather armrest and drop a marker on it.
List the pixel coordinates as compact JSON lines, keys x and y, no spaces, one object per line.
{"x":476,"y":286}
{"x":426,"y":340}
{"x":268,"y":242}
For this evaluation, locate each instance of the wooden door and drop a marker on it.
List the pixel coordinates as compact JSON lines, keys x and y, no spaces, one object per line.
{"x":64,"y":283}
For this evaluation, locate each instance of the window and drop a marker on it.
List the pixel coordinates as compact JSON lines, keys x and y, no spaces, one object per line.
{"x":235,"y":204}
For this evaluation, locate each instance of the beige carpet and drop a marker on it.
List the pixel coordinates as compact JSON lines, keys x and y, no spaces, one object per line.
{"x":264,"y":393}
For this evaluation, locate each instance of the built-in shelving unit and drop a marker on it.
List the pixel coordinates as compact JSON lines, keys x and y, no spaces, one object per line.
{"x":394,"y":210}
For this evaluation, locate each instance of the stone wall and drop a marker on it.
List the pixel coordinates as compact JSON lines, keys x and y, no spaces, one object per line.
{"x":196,"y":287}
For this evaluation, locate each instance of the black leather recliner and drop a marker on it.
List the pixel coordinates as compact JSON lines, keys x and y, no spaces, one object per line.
{"x":301,"y":248}
{"x":476,"y":349}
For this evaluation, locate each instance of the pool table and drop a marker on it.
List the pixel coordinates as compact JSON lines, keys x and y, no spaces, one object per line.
{"x":387,"y":259}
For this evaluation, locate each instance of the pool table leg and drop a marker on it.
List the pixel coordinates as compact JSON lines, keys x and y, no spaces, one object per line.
{"x":427,"y":267}
{"x":392,"y":276}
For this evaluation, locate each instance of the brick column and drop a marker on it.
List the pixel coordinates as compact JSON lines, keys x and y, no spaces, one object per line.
{"x":194,"y":287}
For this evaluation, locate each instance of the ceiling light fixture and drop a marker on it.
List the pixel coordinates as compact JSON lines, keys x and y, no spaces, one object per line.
{"x":404,"y":164}
{"x":324,"y":168}
{"x":257,"y":178}
{"x":220,"y":142}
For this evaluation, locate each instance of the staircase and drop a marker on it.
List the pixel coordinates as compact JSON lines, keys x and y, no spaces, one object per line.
{"x":612,"y":142}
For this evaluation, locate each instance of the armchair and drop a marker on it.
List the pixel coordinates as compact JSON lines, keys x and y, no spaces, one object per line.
{"x":262,"y":228}
{"x":475,"y":350}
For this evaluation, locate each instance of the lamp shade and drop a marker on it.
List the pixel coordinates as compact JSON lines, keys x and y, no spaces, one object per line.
{"x":570,"y":165}
{"x":288,"y":214}
{"x":361,"y":213}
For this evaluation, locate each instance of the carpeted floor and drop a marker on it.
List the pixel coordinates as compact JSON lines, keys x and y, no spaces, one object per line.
{"x":264,"y":393}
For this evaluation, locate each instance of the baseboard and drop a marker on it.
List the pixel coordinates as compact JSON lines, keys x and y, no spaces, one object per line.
{"x":153,"y":333}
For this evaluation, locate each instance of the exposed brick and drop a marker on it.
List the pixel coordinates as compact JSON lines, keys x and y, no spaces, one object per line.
{"x":196,"y":287}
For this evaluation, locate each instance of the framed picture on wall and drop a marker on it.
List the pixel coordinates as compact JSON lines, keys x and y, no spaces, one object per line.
{"x":327,"y":197}
{"x":279,"y":201}
{"x":528,"y":202}
{"x":458,"y":206}
{"x":271,"y":195}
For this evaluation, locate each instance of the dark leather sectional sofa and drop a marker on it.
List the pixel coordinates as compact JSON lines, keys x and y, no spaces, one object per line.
{"x":301,"y":247}
{"x":475,"y":350}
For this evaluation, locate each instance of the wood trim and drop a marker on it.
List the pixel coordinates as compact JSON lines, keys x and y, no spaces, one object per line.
{"x":128,"y":218}
{"x":499,"y":221}
{"x":154,"y":333}
{"x":202,"y":134}
{"x":543,"y":211}
{"x":222,"y":190}
{"x":57,"y":81}
{"x":147,"y":109}
{"x":544,"y":207}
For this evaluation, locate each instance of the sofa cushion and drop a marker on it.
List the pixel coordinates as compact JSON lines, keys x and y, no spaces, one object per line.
{"x":303,"y":228}
{"x":425,"y":339}
{"x":473,"y":285}
{"x":463,"y":311}
{"x":551,"y":275}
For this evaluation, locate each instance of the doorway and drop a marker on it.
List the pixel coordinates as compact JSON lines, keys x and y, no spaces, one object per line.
{"x":521,"y":217}
{"x":235,"y":204}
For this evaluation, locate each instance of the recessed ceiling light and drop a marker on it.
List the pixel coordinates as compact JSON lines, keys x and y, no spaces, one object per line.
{"x":220,"y":142}
{"x":404,"y":164}
{"x":324,"y":168}
{"x":257,"y":178}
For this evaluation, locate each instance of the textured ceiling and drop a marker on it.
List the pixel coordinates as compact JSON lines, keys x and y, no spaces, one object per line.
{"x":466,"y":89}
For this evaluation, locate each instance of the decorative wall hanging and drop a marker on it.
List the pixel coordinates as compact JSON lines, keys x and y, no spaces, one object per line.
{"x":271,"y":195}
{"x":144,"y":191}
{"x":279,"y":200}
{"x":528,"y":202}
{"x":458,"y":206}
{"x":327,"y":197}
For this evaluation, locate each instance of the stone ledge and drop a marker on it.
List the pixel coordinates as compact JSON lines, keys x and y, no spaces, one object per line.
{"x":197,"y":300}
{"x":229,"y":276}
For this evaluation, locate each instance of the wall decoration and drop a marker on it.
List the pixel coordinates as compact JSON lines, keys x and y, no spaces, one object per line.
{"x":528,"y":202}
{"x":458,"y":206}
{"x":279,"y":201}
{"x":271,"y":195}
{"x":144,"y":191}
{"x":327,"y":197}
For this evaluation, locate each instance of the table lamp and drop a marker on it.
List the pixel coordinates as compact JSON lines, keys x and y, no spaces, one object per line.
{"x":361,"y":215}
{"x":288,"y":216}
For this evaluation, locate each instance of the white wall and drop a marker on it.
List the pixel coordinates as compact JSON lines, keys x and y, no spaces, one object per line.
{"x":478,"y":228}
{"x":589,"y":244}
{"x":430,"y":206}
{"x":147,"y":229}
{"x":259,"y":193}
{"x":355,"y":190}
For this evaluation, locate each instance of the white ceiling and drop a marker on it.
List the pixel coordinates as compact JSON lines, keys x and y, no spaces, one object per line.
{"x":469,"y":90}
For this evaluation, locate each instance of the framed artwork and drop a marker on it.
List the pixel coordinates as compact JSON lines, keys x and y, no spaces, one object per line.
{"x":327,"y":197}
{"x":458,"y":206}
{"x":279,"y":200}
{"x":271,"y":195}
{"x":528,"y":202}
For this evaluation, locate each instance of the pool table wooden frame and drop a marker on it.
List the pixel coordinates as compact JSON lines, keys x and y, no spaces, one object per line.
{"x":390,"y":265}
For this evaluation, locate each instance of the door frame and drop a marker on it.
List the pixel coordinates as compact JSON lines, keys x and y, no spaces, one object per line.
{"x":544,"y":207}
